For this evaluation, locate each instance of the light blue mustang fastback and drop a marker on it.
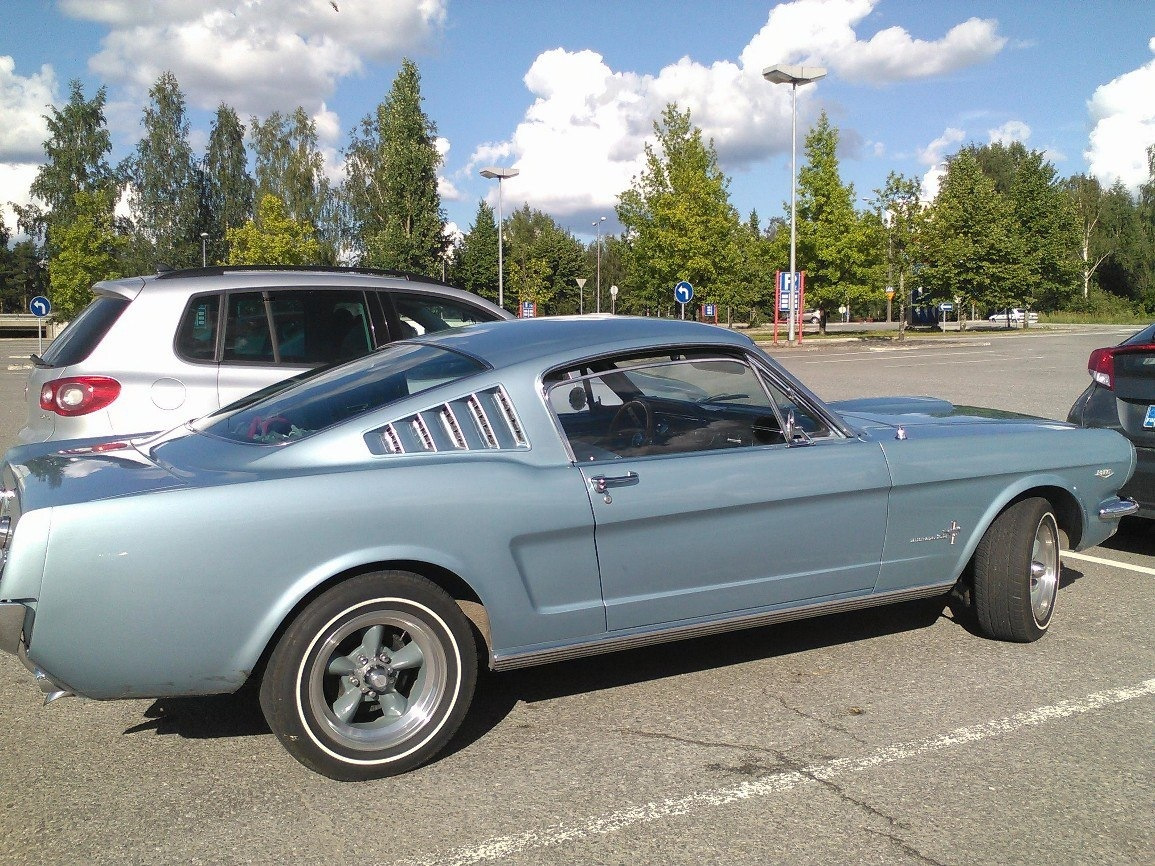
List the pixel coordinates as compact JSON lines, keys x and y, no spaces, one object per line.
{"x":353,"y":540}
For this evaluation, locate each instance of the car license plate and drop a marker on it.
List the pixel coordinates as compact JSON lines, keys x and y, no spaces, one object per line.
{"x":1149,"y":421}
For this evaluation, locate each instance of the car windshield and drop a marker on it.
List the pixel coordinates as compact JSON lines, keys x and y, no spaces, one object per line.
{"x":314,"y":402}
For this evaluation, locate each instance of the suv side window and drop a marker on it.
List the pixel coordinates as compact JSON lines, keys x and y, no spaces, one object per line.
{"x":424,"y":314}
{"x":296,"y":326}
{"x":196,"y":335}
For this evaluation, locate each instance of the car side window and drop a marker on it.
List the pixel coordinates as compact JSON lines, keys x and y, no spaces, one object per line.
{"x":424,"y":314}
{"x":681,"y":403}
{"x":805,"y":420}
{"x":196,"y":335}
{"x":297,"y":326}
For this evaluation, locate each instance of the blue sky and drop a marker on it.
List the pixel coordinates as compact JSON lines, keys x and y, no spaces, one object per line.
{"x":567,"y":92}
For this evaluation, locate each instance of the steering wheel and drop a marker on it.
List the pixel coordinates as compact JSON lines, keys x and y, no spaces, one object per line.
{"x":635,"y":420}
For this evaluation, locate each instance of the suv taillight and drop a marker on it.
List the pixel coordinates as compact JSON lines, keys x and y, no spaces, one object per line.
{"x":78,"y":395}
{"x":1101,"y":366}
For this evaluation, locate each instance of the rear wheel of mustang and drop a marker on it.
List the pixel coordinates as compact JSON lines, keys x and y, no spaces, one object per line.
{"x":373,"y":678}
{"x":1017,"y":572}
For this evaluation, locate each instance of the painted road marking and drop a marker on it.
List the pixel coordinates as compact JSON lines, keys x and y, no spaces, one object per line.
{"x":501,"y":847}
{"x":1101,"y":561}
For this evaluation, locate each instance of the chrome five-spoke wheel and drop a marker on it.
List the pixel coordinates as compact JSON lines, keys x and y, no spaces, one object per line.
{"x":372,"y":678}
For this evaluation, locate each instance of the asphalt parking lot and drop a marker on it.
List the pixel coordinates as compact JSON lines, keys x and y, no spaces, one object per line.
{"x":895,"y":735}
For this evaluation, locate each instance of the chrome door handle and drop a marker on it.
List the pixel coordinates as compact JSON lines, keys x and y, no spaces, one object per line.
{"x":602,"y":483}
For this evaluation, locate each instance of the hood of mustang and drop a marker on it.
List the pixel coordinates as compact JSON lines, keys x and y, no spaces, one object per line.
{"x":907,"y":412}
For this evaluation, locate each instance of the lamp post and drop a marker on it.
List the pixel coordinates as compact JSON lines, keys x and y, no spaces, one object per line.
{"x":204,"y":254}
{"x":793,"y":75}
{"x":598,"y":225}
{"x":501,"y":174}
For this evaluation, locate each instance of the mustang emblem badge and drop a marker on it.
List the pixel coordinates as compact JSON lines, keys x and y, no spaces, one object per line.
{"x":1104,"y":473}
{"x":950,"y":532}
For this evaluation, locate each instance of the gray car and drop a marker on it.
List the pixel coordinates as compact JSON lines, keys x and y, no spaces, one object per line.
{"x":152,"y":352}
{"x":1121,"y":397}
{"x":355,"y":542}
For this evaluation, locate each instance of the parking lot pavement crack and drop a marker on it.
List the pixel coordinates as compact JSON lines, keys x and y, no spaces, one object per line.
{"x":709,"y":744}
{"x":826,"y":723}
{"x":841,"y":793}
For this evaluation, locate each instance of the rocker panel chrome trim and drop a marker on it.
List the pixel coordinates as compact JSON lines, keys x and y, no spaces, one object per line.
{"x":632,"y":641}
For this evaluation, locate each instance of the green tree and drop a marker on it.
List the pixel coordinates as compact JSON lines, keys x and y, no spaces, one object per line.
{"x":1086,"y":198}
{"x":290,"y":166}
{"x":1121,"y":231}
{"x":273,"y":237}
{"x":75,"y":160}
{"x":164,"y":183}
{"x":541,"y":261}
{"x":22,"y":276}
{"x":679,"y":222}
{"x":227,"y":195}
{"x":901,"y":213}
{"x":1044,"y":222}
{"x":391,"y":199}
{"x":969,"y":241}
{"x":86,"y":252}
{"x":475,"y":258}
{"x":839,"y":250}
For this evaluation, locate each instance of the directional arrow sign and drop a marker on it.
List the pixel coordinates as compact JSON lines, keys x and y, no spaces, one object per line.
{"x":683,"y":292}
{"x":40,"y":306}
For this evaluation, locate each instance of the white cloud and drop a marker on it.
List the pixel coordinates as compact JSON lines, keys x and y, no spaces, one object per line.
{"x":822,"y":32}
{"x":258,"y":55}
{"x":933,"y":156}
{"x":1123,"y":112}
{"x":1009,"y":132}
{"x":23,"y":103}
{"x":580,"y":142}
{"x":15,"y":178}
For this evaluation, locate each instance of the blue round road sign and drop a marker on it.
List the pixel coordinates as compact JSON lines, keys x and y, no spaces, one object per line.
{"x":40,"y":306}
{"x":683,"y":292}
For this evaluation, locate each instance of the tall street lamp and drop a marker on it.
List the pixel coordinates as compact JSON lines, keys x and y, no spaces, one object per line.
{"x":204,"y":254}
{"x":793,"y":75}
{"x":501,"y":174}
{"x":598,"y":225}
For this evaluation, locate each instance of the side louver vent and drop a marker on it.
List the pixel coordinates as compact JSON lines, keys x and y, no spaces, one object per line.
{"x":482,"y":421}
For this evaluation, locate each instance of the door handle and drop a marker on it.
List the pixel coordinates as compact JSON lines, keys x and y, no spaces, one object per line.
{"x":602,"y":483}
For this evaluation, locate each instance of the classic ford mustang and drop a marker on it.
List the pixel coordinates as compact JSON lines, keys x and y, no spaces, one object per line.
{"x":353,"y":541}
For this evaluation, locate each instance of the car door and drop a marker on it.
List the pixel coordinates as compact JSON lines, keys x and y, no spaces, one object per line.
{"x":706,"y":506}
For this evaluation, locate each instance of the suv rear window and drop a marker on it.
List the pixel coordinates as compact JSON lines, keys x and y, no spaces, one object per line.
{"x":84,"y":334}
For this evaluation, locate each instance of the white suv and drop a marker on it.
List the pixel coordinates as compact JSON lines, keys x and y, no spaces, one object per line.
{"x":150,"y":353}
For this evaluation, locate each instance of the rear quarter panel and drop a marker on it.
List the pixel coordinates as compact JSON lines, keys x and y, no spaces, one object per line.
{"x":179,"y":592}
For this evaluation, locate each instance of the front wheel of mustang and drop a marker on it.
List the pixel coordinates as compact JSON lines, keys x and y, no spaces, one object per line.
{"x":1017,"y":572}
{"x":373,"y":678}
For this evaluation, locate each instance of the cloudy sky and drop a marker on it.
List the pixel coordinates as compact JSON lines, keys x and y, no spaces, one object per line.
{"x":567,"y":92}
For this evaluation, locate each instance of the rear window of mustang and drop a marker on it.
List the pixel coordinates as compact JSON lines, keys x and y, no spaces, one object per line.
{"x":315,"y":401}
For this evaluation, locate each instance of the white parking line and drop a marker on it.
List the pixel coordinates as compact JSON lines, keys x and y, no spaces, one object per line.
{"x":1101,"y":561}
{"x":599,"y":825}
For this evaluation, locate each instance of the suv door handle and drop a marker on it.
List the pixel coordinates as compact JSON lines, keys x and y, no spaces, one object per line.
{"x":602,"y":483}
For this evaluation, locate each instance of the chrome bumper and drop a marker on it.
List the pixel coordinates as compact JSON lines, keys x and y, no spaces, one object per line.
{"x":1117,"y":508}
{"x":12,"y":616}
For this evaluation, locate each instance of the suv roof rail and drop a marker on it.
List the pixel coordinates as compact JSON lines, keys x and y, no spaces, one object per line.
{"x":221,"y":270}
